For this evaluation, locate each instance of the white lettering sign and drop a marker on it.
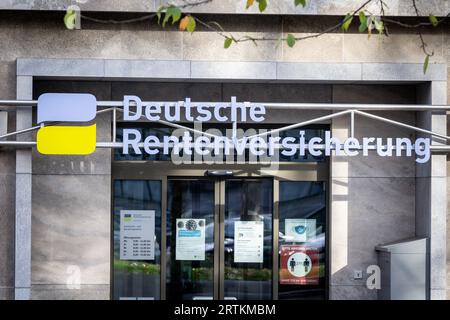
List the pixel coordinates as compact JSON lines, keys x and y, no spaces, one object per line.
{"x":258,"y":145}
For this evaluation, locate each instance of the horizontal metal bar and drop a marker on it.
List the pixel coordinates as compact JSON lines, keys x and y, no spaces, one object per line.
{"x":18,"y":143}
{"x":116,"y":145}
{"x":270,"y":105}
{"x":18,"y":103}
{"x":440,"y":148}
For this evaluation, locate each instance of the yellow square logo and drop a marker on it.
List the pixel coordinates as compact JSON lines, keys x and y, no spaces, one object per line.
{"x":67,"y":140}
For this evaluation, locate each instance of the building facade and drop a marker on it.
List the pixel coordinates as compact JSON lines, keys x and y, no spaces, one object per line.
{"x":61,"y":216}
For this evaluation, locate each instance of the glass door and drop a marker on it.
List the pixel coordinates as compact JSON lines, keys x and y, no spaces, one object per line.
{"x":246,"y":241}
{"x":196,"y":268}
{"x":302,"y":224}
{"x":190,"y":248}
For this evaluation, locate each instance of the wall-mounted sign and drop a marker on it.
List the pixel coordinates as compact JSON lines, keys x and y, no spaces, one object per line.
{"x":82,"y":139}
{"x":259,"y":146}
{"x":137,"y":234}
{"x":66,"y":107}
{"x":299,"y":265}
{"x":299,"y":230}
{"x":249,"y":242}
{"x":190,"y":239}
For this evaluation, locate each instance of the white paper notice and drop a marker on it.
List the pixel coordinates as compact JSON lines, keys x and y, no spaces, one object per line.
{"x":137,"y":234}
{"x":300,"y":230}
{"x":248,"y":242}
{"x":190,"y":239}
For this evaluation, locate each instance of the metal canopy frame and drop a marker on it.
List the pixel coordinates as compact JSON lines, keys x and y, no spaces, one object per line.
{"x":343,"y":109}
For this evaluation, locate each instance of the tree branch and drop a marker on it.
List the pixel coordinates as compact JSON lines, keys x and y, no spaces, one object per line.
{"x":217,"y":28}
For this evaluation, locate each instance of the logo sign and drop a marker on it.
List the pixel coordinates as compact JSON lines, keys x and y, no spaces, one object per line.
{"x":67,"y":139}
{"x":299,"y":265}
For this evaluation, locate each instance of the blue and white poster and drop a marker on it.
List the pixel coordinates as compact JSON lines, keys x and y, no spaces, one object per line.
{"x":190,"y":239}
{"x":300,"y":230}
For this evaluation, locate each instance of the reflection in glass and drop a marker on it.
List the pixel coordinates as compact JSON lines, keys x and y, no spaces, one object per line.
{"x":248,"y":200}
{"x":190,"y":279}
{"x":302,"y":210}
{"x":161,"y":131}
{"x":137,"y":279}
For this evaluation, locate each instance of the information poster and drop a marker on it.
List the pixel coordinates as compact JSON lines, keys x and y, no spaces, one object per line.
{"x":300,"y":230}
{"x":299,"y":265}
{"x":248,"y":242}
{"x":190,"y":239}
{"x":137,"y":235}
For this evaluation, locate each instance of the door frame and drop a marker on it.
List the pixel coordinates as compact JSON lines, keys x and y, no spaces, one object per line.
{"x":165,"y":170}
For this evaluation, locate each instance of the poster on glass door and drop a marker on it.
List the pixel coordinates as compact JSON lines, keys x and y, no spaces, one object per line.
{"x":190,"y":239}
{"x":299,"y":230}
{"x":137,"y":234}
{"x":249,"y":242}
{"x":299,"y":265}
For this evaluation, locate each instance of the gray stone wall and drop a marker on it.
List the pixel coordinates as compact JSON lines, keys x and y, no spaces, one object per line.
{"x":284,"y":7}
{"x":72,"y":213}
{"x":373,"y":198}
{"x":7,"y":217}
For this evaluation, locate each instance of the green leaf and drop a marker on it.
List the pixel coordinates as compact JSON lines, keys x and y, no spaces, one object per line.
{"x":362,"y":28}
{"x":426,"y":63}
{"x":191,"y":25}
{"x":347,"y":22}
{"x":70,"y":19}
{"x":434,"y":21}
{"x":262,"y":5}
{"x":166,"y":18}
{"x":158,"y":14}
{"x":362,"y":17}
{"x":363,"y":22}
{"x":379,"y":25}
{"x":302,"y":2}
{"x":176,"y":14}
{"x":227,"y":43}
{"x":290,"y":40}
{"x":171,"y":12}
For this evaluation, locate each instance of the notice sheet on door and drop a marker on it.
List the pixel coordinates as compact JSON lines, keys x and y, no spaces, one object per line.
{"x":300,"y":230}
{"x":137,"y":234}
{"x":248,"y":242}
{"x":190,"y":239}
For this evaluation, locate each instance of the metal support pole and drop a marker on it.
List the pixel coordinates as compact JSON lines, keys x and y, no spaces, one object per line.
{"x":352,"y":124}
{"x":114,"y":125}
{"x":400,"y":124}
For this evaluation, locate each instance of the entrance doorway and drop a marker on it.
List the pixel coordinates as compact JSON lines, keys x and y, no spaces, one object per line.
{"x":246,"y":234}
{"x":244,"y":207}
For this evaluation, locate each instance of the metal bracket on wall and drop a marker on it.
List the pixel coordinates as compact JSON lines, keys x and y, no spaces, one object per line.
{"x":3,"y":122}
